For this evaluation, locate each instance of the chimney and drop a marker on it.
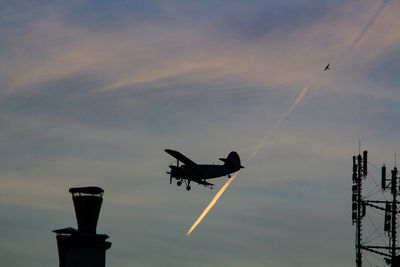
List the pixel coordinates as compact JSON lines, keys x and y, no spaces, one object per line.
{"x":83,"y":247}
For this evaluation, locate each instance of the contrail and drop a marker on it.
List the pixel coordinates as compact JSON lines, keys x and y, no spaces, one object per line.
{"x":369,"y":24}
{"x":212,"y":203}
{"x":282,"y":119}
{"x":278,"y":123}
{"x":256,"y":150}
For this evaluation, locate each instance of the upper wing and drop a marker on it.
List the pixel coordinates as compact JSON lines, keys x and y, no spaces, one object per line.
{"x":180,"y":157}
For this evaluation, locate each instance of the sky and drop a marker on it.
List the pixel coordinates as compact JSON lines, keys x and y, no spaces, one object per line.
{"x":92,"y":92}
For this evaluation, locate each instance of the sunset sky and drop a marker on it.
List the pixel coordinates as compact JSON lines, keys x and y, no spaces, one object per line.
{"x":92,"y":92}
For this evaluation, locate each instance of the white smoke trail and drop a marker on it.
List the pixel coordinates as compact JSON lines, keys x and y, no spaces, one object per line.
{"x":256,"y":150}
{"x":212,"y":203}
{"x":369,"y":24}
{"x":283,"y":118}
{"x":278,"y":123}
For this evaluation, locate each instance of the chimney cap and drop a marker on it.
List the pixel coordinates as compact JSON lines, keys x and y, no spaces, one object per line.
{"x":68,"y":230}
{"x":92,"y":190}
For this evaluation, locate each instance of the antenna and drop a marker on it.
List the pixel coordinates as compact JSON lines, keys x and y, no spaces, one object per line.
{"x":361,"y":203}
{"x":383,"y":183}
{"x":365,"y":162}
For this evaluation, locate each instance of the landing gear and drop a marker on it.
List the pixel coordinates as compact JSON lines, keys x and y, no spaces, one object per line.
{"x":188,"y":185}
{"x":179,"y":183}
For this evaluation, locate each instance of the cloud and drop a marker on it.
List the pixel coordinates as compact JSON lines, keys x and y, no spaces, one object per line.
{"x":150,"y":52}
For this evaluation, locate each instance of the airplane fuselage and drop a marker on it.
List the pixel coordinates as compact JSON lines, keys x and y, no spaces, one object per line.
{"x":201,"y":172}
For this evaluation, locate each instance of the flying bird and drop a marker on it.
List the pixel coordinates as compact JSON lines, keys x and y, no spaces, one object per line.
{"x":327,"y":67}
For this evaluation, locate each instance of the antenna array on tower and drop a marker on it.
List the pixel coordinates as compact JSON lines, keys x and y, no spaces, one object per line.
{"x":360,"y":202}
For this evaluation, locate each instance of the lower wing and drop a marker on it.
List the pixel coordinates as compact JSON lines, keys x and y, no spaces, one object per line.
{"x":203,"y":182}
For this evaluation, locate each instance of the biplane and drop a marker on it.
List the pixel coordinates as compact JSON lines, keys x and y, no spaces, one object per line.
{"x":190,"y":171}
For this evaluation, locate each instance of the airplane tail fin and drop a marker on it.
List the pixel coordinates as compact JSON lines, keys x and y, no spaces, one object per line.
{"x":233,"y":160}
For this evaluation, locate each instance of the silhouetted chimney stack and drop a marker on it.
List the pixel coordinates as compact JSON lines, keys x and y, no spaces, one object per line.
{"x":83,"y":247}
{"x":87,"y":203}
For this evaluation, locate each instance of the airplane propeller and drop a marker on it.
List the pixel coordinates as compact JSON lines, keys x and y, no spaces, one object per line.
{"x":170,"y":173}
{"x":170,"y":177}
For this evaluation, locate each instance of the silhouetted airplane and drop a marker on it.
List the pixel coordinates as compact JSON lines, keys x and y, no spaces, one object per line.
{"x":327,"y":67}
{"x":199,"y":173}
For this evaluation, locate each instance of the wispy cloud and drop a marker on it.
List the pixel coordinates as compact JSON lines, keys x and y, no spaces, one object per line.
{"x":150,"y":52}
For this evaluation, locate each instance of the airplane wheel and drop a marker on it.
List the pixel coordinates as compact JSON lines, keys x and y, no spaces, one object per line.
{"x":188,"y":187}
{"x":179,"y":183}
